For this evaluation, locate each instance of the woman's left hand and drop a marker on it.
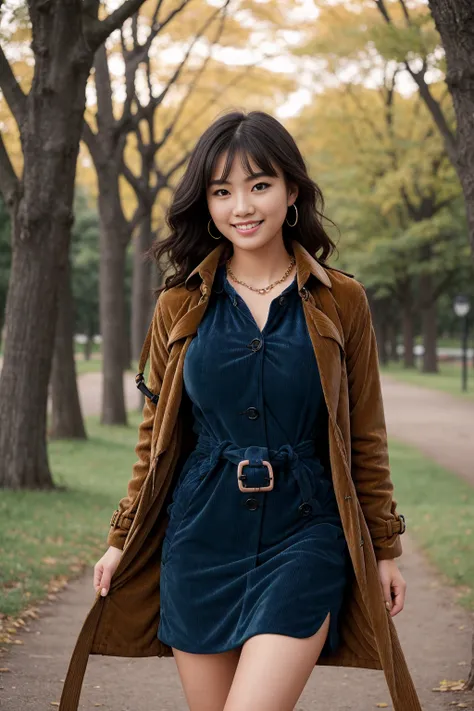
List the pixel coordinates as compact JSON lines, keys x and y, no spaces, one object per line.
{"x":393,"y":586}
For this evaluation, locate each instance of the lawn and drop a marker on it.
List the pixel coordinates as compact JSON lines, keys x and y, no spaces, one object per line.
{"x":439,"y":511}
{"x":448,"y":379}
{"x":46,"y":535}
{"x":51,"y":536}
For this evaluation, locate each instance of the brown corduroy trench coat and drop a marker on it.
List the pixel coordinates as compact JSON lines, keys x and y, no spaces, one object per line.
{"x":125,"y":622}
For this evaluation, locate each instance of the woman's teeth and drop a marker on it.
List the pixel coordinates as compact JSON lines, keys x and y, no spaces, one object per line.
{"x":250,"y":226}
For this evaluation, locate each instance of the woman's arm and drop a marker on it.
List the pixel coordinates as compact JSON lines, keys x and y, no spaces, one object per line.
{"x":370,"y":462}
{"x":123,"y":516}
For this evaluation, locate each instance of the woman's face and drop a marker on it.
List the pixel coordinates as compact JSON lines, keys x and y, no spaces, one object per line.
{"x":241,"y":199}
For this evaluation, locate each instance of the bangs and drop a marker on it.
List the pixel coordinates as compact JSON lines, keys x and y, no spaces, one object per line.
{"x":247,"y":147}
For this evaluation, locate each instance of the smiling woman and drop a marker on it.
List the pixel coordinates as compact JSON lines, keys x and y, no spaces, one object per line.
{"x":259,"y":528}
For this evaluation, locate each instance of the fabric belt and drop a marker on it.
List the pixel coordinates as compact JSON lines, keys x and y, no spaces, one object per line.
{"x":213,"y":450}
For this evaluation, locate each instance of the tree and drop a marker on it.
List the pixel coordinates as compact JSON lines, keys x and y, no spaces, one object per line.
{"x":392,"y":192}
{"x":5,"y":260}
{"x":66,"y":34}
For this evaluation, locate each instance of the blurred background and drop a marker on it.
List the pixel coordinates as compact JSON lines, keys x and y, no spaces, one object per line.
{"x":100,"y":106}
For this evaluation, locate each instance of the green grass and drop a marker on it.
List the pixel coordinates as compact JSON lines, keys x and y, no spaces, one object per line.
{"x":45,"y":535}
{"x":94,"y":365}
{"x":448,"y":379}
{"x":439,"y":510}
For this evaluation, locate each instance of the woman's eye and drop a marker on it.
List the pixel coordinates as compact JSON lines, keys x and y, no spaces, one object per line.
{"x":220,"y":190}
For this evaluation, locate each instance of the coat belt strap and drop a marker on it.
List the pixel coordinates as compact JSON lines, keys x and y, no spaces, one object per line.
{"x":77,"y":666}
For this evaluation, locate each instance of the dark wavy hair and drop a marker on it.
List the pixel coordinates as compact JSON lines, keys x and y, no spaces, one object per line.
{"x":257,"y":135}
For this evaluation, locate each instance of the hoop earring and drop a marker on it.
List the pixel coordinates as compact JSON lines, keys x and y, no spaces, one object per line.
{"x":294,"y":223}
{"x":209,"y":230}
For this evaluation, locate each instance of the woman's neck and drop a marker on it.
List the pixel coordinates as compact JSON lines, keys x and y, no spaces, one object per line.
{"x":260,"y":267}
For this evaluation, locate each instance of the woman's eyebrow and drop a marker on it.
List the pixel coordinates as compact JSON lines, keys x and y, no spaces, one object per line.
{"x":262,"y":174}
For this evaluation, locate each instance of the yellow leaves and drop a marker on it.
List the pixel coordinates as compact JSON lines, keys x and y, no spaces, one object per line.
{"x":447,"y":685}
{"x":381,"y":705}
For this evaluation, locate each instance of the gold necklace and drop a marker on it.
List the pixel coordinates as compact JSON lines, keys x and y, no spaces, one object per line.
{"x":265,"y":289}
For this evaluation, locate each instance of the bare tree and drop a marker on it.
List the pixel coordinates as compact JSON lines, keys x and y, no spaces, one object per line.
{"x":454,"y":20}
{"x":106,"y":145}
{"x":66,"y":35}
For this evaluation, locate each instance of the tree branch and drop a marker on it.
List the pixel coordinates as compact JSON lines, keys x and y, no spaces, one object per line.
{"x":9,"y":183}
{"x":91,"y":140}
{"x":12,"y":91}
{"x":436,"y":111}
{"x":99,"y":30}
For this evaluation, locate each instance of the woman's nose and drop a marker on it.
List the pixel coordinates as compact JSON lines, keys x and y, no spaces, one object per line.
{"x":243,"y":207}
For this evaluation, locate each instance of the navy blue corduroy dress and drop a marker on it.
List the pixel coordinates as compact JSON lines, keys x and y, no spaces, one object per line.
{"x":236,"y":564}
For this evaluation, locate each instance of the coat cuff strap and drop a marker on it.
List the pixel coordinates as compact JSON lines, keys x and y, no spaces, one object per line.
{"x":389,"y":528}
{"x":120,"y":520}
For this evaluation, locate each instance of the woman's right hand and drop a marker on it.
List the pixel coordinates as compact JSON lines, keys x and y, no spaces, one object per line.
{"x":105,"y":568}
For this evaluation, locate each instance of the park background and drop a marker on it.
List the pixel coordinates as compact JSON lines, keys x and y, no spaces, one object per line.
{"x":100,"y":106}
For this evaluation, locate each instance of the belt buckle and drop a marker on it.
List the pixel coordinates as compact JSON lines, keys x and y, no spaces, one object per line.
{"x":243,"y":464}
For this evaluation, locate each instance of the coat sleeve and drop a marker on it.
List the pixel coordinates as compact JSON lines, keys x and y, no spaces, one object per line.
{"x":369,"y":450}
{"x":123,"y":516}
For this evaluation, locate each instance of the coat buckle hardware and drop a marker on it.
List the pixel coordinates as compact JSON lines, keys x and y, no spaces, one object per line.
{"x":304,"y":293}
{"x":241,"y":477}
{"x":140,"y":381}
{"x":403,"y":526}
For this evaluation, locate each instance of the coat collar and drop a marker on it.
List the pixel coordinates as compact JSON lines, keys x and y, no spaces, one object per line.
{"x":305,"y":266}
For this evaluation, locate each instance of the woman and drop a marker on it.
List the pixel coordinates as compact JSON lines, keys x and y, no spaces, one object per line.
{"x":259,"y":532}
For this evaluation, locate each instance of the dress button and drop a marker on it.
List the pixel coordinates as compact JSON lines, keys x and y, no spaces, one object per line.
{"x":251,"y":504}
{"x":252,"y":413}
{"x":281,"y":300}
{"x":256,"y":344}
{"x":305,"y":509}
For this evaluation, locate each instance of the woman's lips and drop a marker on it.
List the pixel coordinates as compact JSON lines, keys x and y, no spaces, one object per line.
{"x":247,"y":231}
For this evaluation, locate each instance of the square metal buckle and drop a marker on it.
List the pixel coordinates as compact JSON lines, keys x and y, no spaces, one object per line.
{"x":241,"y":476}
{"x":403,"y":524}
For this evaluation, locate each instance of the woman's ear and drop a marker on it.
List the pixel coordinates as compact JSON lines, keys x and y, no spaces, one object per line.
{"x":292,"y":194}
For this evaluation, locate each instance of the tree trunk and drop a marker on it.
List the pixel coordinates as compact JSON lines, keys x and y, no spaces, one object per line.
{"x":67,"y":419}
{"x":408,"y":335}
{"x":66,"y":35}
{"x":88,"y":348}
{"x":429,"y":323}
{"x":392,"y":340}
{"x":141,"y":286}
{"x":114,"y":235}
{"x":454,"y":21}
{"x":42,"y":218}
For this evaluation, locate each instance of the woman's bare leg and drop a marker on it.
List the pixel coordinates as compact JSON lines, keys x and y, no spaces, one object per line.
{"x":273,"y":671}
{"x":206,"y":678}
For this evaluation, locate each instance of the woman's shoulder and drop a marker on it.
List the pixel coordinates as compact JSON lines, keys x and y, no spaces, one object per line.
{"x":170,"y":301}
{"x":345,"y":286}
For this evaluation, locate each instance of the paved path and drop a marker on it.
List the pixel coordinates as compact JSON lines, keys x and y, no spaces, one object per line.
{"x":435,"y":633}
{"x":437,"y":423}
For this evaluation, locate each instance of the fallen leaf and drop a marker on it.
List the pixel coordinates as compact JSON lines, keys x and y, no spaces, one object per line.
{"x":4,"y":669}
{"x":446,"y":685}
{"x":382,"y":705}
{"x":54,"y":703}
